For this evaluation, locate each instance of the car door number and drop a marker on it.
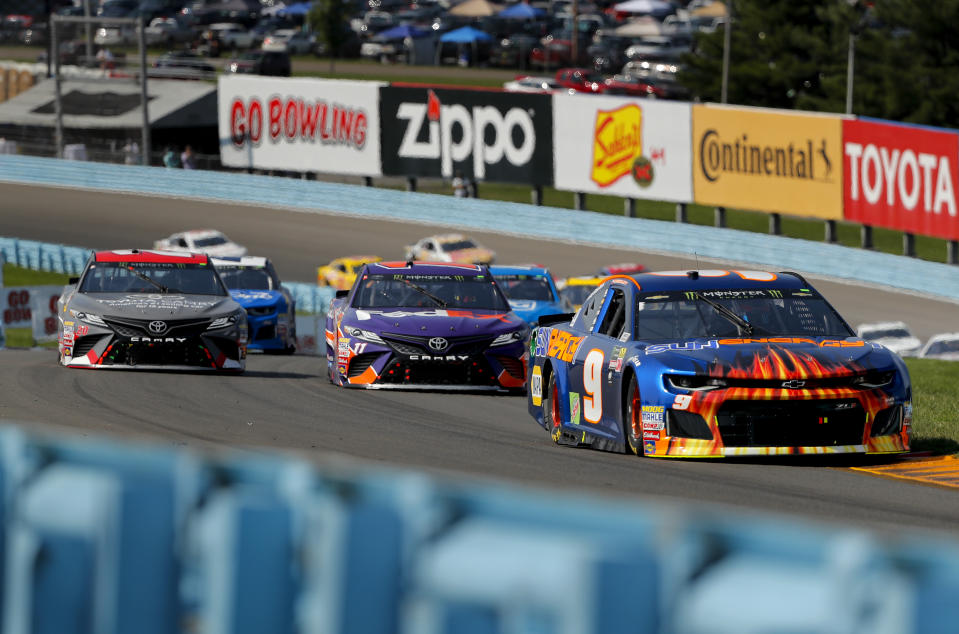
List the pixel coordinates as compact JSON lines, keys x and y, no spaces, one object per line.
{"x":593,"y":385}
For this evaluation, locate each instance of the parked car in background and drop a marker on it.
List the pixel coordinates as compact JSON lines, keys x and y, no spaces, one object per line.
{"x":115,"y":36}
{"x":260,"y":62}
{"x":167,"y":32}
{"x":182,"y":65}
{"x":528,"y":83}
{"x":580,"y":79}
{"x":894,"y":335}
{"x":632,"y":86}
{"x":230,"y":34}
{"x":943,"y":346}
{"x":293,"y":41}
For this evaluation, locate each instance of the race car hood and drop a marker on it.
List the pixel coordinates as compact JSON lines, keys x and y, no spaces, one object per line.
{"x":773,"y":357}
{"x":434,"y":321}
{"x":154,"y":305}
{"x":256,"y":299}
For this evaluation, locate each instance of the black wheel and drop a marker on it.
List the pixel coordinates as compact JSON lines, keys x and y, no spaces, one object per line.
{"x":551,"y":411}
{"x":633,"y":418}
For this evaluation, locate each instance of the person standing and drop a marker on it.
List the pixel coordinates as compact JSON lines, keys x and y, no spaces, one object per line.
{"x":188,"y":158}
{"x":459,"y":185}
{"x":170,"y":158}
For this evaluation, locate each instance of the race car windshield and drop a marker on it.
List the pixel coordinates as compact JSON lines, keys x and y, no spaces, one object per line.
{"x":246,"y":278}
{"x":944,"y":347}
{"x":151,"y":277}
{"x":477,"y":292}
{"x":210,"y":242}
{"x":529,"y":287}
{"x":458,"y":245}
{"x":752,"y":312}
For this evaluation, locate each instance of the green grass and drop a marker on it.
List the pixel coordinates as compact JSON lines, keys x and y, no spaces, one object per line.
{"x":17,"y":276}
{"x":935,"y":408}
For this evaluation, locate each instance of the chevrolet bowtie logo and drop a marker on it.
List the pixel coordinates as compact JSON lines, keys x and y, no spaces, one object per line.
{"x":793,"y":384}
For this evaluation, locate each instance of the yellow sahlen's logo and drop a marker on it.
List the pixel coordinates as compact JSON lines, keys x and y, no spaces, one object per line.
{"x":617,"y":142}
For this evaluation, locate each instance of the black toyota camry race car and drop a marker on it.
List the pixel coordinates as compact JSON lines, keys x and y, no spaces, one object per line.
{"x":153,"y":310}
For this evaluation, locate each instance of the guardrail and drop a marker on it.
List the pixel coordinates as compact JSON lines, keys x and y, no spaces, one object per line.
{"x":130,"y":538}
{"x":705,"y":243}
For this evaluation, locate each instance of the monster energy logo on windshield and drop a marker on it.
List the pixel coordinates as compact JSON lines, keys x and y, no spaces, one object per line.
{"x":690,"y":294}
{"x":775,"y":293}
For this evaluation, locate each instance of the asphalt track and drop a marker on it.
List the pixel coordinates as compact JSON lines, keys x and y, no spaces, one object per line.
{"x":286,"y":402}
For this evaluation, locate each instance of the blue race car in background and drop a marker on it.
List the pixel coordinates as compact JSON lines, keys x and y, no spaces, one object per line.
{"x":716,"y":363}
{"x":531,"y":291}
{"x":425,"y":325}
{"x":270,"y":309}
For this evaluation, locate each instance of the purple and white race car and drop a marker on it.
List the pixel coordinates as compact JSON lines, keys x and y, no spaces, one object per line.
{"x":425,"y":325}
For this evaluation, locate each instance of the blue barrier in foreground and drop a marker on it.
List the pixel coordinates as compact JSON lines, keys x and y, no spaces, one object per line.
{"x":112,"y":538}
{"x":766,"y":251}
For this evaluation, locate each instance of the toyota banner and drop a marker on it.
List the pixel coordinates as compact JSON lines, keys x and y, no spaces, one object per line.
{"x":484,"y":135}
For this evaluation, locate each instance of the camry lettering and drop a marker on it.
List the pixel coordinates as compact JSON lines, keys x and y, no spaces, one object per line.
{"x":158,"y":339}
{"x":448,"y":357}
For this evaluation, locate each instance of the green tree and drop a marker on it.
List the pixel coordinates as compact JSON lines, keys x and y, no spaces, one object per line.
{"x":783,"y":54}
{"x":328,"y":19}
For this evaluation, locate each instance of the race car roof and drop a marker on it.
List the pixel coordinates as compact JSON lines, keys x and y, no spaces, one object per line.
{"x":502,"y":269}
{"x":425,"y":268}
{"x":246,"y":261}
{"x":152,"y":256}
{"x":716,"y":279}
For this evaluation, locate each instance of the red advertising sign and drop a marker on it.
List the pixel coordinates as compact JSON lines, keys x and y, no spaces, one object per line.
{"x":901,"y":177}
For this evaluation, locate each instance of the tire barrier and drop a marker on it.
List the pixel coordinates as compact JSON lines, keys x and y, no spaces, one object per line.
{"x":111,"y":537}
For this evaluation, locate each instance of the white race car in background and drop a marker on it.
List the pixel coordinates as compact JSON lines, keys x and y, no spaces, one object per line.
{"x":452,"y":247}
{"x":943,"y":346}
{"x":894,"y":335}
{"x":209,"y":241}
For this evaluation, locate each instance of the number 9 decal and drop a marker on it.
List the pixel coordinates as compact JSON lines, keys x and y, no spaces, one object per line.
{"x":593,"y":386}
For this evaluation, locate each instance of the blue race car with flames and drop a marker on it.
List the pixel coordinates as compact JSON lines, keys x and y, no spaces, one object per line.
{"x":425,"y":325}
{"x":270,"y":308}
{"x":716,"y":363}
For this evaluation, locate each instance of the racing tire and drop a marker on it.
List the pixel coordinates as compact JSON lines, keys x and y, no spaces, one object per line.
{"x":633,"y":418}
{"x":552,"y":415}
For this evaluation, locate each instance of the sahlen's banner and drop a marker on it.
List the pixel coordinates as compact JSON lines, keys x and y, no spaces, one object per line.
{"x":901,"y":177}
{"x":768,"y":160}
{"x":302,"y":125}
{"x":483,"y":135}
{"x":634,"y":148}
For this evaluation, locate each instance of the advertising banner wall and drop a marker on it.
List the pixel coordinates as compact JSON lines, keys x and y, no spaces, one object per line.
{"x":634,"y":148}
{"x":901,"y":177}
{"x":768,"y":160}
{"x":302,"y":125}
{"x":491,"y":136}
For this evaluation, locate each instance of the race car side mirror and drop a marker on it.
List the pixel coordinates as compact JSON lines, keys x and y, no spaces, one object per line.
{"x":559,"y":318}
{"x":340,"y":294}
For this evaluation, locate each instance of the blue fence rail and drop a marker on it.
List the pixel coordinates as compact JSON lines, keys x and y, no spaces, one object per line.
{"x":114,"y":538}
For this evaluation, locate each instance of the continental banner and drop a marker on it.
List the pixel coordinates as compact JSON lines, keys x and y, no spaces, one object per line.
{"x":300,"y":125}
{"x":634,"y":148}
{"x":484,"y":135}
{"x":768,"y":160}
{"x":901,"y":177}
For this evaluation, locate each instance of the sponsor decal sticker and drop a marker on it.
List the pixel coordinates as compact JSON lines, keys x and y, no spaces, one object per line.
{"x":654,"y":417}
{"x":616,"y":360}
{"x":542,"y":341}
{"x":617,"y":142}
{"x":563,"y":345}
{"x":536,"y":386}
{"x":574,"y":408}
{"x":649,"y":448}
{"x":651,"y":435}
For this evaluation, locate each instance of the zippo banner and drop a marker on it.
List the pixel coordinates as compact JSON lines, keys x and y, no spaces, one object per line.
{"x":634,"y":148}
{"x":901,"y":177}
{"x":301,"y":125}
{"x":768,"y":160}
{"x":485,"y":135}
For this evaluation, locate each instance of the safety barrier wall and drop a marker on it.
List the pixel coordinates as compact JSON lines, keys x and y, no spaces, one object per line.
{"x":702,"y":243}
{"x":806,"y":164}
{"x":124,"y":538}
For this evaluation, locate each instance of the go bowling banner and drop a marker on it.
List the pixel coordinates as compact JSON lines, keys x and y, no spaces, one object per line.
{"x":300,"y":125}
{"x":901,"y":177}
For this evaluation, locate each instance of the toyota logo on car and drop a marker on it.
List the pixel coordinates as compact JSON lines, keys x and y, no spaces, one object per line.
{"x":157,"y":327}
